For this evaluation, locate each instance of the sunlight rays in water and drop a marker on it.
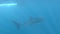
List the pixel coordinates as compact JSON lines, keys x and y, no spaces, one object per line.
{"x":8,"y":4}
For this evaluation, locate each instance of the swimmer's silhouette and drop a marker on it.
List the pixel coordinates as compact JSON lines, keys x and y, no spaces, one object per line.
{"x":17,"y":24}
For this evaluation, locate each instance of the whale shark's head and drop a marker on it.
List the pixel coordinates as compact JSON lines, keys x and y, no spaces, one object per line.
{"x":36,"y":20}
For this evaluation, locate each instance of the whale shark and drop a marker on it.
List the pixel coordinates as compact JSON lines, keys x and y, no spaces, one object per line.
{"x":31,"y":21}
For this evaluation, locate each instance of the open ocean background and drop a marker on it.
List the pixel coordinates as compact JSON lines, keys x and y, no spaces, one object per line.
{"x":49,"y":10}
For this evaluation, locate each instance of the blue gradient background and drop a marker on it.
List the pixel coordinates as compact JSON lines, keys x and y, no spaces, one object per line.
{"x":48,"y":9}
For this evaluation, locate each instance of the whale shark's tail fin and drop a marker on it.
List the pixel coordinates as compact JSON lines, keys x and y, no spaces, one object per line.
{"x":17,"y":24}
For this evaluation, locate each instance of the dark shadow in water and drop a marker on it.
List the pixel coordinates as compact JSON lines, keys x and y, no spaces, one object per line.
{"x":17,"y":24}
{"x":35,"y":20}
{"x":32,"y":20}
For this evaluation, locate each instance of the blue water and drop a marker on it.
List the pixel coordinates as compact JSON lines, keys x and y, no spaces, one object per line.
{"x":49,"y":10}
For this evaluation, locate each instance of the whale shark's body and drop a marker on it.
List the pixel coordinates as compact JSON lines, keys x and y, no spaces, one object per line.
{"x":30,"y":22}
